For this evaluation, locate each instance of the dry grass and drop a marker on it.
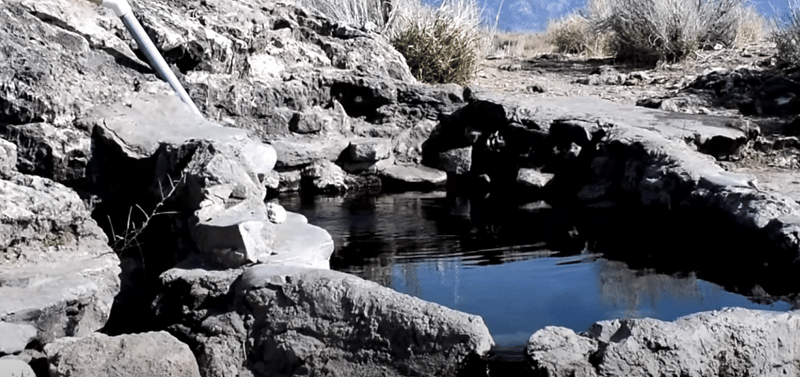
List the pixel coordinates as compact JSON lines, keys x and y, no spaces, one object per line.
{"x":751,"y":28}
{"x":574,"y":34}
{"x":787,"y":34}
{"x":441,"y":44}
{"x":360,"y":13}
{"x":648,"y":31}
{"x":519,"y":45}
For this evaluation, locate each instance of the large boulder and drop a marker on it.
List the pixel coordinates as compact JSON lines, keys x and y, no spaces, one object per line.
{"x":146,"y":354}
{"x":57,"y":272}
{"x":212,"y":176}
{"x":15,"y":337}
{"x":731,"y":342}
{"x":312,"y":321}
{"x":15,"y":368}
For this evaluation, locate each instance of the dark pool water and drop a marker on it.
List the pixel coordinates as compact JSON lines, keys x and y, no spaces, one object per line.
{"x":518,"y":269}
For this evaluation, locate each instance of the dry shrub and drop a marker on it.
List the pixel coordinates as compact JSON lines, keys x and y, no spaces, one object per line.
{"x":519,"y":45}
{"x":443,"y":44}
{"x":574,"y":34}
{"x":752,"y":26}
{"x":648,"y":31}
{"x":787,"y":34}
{"x":359,"y":13}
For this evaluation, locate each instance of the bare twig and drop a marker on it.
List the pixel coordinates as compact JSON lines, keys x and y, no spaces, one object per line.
{"x":130,"y":237}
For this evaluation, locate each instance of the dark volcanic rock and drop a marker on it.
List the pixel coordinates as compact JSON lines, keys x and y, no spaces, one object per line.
{"x":751,"y":91}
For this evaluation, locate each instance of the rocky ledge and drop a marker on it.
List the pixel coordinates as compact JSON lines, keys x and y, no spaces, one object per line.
{"x":730,"y":342}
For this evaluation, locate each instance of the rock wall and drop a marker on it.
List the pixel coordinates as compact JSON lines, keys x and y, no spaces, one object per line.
{"x":290,"y":77}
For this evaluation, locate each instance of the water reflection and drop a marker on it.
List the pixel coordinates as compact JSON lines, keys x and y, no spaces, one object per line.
{"x":519,"y":270}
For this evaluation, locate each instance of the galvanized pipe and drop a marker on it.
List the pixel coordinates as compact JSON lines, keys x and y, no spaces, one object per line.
{"x":123,"y":10}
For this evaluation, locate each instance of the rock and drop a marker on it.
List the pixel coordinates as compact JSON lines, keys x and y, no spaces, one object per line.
{"x":603,"y":75}
{"x":408,"y":144}
{"x":367,"y":155}
{"x":714,"y":135}
{"x":211,"y":176}
{"x":557,"y":351}
{"x":244,"y":234}
{"x":325,"y":177}
{"x":237,"y":235}
{"x":421,"y":178}
{"x":151,"y":354}
{"x":8,"y":158}
{"x":15,"y":337}
{"x":778,"y":96}
{"x":275,"y":213}
{"x":289,"y":180}
{"x":51,"y":46}
{"x":533,"y":179}
{"x":368,"y":167}
{"x":531,"y":183}
{"x":733,"y":342}
{"x":59,"y":153}
{"x":15,"y":368}
{"x":298,"y":243}
{"x":272,"y":70}
{"x":370,"y":150}
{"x":299,"y":151}
{"x":455,"y":161}
{"x":309,"y":122}
{"x":750,"y":90}
{"x":57,"y":272}
{"x":321,"y":322}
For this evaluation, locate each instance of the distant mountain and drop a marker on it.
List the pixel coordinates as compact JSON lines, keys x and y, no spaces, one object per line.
{"x":532,"y":15}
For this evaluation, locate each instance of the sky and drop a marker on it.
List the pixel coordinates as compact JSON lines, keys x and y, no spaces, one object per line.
{"x":532,"y":15}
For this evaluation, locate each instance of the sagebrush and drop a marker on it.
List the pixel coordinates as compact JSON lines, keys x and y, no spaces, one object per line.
{"x":441,"y":44}
{"x":649,"y":31}
{"x":574,"y":34}
{"x":787,"y":34}
{"x":518,"y":45}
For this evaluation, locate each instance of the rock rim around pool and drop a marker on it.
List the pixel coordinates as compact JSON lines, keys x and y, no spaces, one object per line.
{"x":213,"y":174}
{"x":297,"y":320}
{"x":232,"y":231}
{"x":606,"y":155}
{"x":731,"y":341}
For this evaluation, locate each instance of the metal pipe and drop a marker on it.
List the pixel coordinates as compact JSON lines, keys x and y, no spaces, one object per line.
{"x":123,"y":10}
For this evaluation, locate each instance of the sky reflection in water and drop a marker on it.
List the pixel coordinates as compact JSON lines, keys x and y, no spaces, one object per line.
{"x":437,"y":248}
